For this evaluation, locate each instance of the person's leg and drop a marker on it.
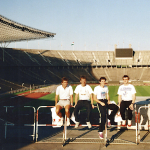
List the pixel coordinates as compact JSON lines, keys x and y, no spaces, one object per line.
{"x":87,"y":105}
{"x":102,"y":115}
{"x":102,"y":119}
{"x":122,"y":111}
{"x":129,"y":113}
{"x":114,"y":109}
{"x":67,"y":111}
{"x":58,"y":108}
{"x":76,"y":110}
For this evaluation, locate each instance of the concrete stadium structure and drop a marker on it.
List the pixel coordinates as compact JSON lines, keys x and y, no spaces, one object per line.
{"x":31,"y":66}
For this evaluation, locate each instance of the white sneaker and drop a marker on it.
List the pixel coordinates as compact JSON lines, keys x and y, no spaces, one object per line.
{"x":77,"y":125}
{"x":60,"y":122}
{"x":89,"y":124}
{"x":108,"y":124}
{"x":129,"y":123}
{"x":68,"y":121}
{"x":100,"y":135}
{"x":123,"y":122}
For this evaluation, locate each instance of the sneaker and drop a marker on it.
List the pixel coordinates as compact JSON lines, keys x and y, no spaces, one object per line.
{"x":123,"y":122}
{"x":60,"y":122}
{"x":108,"y":124}
{"x":100,"y":135}
{"x":89,"y":125}
{"x":129,"y":123}
{"x":77,"y":125}
{"x":68,"y":121}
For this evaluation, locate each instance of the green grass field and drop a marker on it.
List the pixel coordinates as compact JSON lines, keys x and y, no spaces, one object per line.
{"x":50,"y":98}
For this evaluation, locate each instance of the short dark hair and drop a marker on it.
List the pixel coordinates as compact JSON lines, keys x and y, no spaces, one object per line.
{"x":126,"y":76}
{"x":64,"y":79}
{"x":82,"y":77}
{"x":102,"y":78}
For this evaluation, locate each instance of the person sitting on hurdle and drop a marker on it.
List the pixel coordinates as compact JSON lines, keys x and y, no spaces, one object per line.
{"x":101,"y":96}
{"x":65,"y":93}
{"x":126,"y":99}
{"x":84,"y":92}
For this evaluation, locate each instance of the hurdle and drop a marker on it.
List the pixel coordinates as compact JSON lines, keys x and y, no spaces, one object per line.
{"x":113,"y":139}
{"x":139,"y":125}
{"x":12,"y":124}
{"x":64,"y":138}
{"x":37,"y":125}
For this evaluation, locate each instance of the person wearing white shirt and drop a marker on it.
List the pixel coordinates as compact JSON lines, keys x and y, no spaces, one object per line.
{"x":84,"y":92}
{"x":101,"y":96}
{"x":65,"y":94}
{"x":126,"y":99}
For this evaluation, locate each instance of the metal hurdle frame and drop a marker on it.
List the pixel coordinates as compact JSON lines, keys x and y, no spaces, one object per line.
{"x":37,"y":125}
{"x":34,"y":125}
{"x":105,"y":133}
{"x":64,"y":138}
{"x":119,"y":127}
{"x":138,"y":128}
{"x":12,"y":124}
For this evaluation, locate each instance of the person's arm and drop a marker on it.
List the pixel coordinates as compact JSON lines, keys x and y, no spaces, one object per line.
{"x":133,"y":101}
{"x":95,"y":99}
{"x":71,"y":99}
{"x":119,"y":100}
{"x":76,"y":99}
{"x":108,"y":98}
{"x":56,"y":99}
{"x":133,"y":98}
{"x":91,"y":96}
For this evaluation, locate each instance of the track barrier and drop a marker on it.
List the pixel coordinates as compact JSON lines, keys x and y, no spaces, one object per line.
{"x":140,"y":126}
{"x":7,"y":123}
{"x":65,"y":140}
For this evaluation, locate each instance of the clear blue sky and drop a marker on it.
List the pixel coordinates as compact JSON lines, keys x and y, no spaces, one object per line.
{"x":90,"y":24}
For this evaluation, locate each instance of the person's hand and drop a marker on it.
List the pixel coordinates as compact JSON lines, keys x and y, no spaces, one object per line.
{"x":92,"y":106}
{"x":108,"y":102}
{"x":102,"y":103}
{"x":131,"y":106}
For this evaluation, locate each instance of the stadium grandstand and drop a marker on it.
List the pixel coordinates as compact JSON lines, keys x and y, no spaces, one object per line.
{"x":23,"y":67}
{"x":12,"y":31}
{"x":31,"y":66}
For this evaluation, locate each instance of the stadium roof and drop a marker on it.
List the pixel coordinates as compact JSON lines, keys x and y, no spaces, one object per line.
{"x":11,"y":31}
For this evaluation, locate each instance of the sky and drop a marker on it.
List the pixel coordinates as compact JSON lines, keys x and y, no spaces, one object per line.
{"x":95,"y":25}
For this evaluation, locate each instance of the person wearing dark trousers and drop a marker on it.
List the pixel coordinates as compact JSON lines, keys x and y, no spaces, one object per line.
{"x":101,"y":96}
{"x":84,"y":92}
{"x":126,"y":99}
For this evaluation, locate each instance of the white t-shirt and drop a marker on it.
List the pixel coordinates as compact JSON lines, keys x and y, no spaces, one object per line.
{"x":101,"y":92}
{"x":84,"y":92}
{"x":64,"y":93}
{"x":126,"y":92}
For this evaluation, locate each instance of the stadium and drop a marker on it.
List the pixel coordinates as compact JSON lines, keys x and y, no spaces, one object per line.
{"x":29,"y":77}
